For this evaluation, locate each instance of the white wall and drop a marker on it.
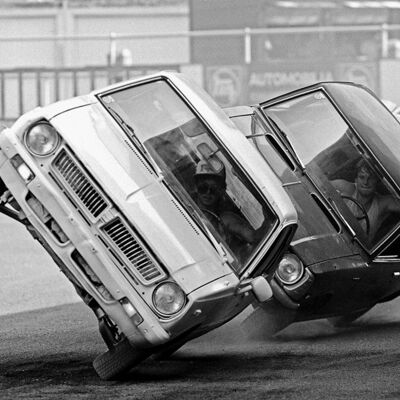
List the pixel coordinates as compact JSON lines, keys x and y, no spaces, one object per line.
{"x":39,"y":24}
{"x":28,"y":24}
{"x":390,"y":80}
{"x":137,"y":21}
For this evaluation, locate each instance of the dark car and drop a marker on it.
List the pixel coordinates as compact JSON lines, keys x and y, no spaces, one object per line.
{"x":335,"y":147}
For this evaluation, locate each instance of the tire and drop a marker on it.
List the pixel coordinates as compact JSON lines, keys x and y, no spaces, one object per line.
{"x":114,"y":363}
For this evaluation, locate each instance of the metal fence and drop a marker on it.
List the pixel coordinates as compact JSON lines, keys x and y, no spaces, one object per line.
{"x":388,"y":38}
{"x":22,"y":89}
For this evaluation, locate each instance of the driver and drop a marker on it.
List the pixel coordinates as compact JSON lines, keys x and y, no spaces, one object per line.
{"x":211,"y":198}
{"x":364,"y":191}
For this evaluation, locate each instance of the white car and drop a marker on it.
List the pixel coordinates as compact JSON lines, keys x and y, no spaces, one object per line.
{"x":106,"y":183}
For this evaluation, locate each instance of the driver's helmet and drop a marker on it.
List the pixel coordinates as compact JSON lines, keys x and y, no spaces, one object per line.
{"x":205,"y":170}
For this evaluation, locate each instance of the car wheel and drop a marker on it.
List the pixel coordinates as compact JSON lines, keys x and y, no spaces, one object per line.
{"x":116,"y":362}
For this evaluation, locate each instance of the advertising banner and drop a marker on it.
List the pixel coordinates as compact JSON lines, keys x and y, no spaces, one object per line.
{"x":269,"y":80}
{"x":232,"y":85}
{"x":365,"y":73}
{"x":226,"y":84}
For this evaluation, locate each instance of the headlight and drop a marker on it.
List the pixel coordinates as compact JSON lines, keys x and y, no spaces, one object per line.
{"x":168,"y":298}
{"x":41,"y":139}
{"x":290,"y":269}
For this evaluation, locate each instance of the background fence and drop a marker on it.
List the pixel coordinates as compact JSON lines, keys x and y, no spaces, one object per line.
{"x":53,"y":60}
{"x":22,"y":89}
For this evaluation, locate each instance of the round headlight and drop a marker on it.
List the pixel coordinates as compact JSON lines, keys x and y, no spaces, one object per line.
{"x":168,"y":298}
{"x":290,"y":269}
{"x":41,"y":139}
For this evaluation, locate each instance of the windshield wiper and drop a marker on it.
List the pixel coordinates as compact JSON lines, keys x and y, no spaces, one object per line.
{"x":287,"y":142}
{"x":131,"y":132}
{"x":126,"y":126}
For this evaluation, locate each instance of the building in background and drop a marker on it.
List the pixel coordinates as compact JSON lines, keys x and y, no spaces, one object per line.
{"x":293,"y":43}
{"x":241,"y":51}
{"x":79,"y":33}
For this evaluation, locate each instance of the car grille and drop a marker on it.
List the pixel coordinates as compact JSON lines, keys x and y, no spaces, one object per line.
{"x":80,"y":183}
{"x":124,"y":243}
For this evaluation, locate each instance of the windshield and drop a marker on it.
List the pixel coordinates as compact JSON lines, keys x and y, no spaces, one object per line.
{"x":339,"y":165}
{"x":196,"y":168}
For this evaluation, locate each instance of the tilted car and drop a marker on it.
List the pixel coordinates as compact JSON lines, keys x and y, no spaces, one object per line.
{"x":344,"y":257}
{"x":105,"y":182}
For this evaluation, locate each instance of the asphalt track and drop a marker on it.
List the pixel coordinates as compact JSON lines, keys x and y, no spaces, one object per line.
{"x":48,"y":342}
{"x":29,"y":279}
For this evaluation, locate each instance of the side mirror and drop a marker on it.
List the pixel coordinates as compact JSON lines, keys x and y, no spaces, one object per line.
{"x":261,"y":289}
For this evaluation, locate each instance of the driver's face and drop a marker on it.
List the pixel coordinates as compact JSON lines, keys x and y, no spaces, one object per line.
{"x":209,"y":191}
{"x":366,"y":183}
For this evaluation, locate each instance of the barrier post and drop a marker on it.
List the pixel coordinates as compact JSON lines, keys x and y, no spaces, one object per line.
{"x":247,"y":46}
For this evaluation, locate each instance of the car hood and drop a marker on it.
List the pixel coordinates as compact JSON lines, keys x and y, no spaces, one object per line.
{"x":131,"y":184}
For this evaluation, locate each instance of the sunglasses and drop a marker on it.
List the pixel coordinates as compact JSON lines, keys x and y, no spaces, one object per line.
{"x":207,"y":188}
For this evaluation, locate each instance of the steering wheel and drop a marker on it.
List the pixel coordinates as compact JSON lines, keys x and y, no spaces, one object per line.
{"x":364,"y":214}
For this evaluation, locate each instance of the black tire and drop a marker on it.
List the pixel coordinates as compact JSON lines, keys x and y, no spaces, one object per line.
{"x":115,"y":363}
